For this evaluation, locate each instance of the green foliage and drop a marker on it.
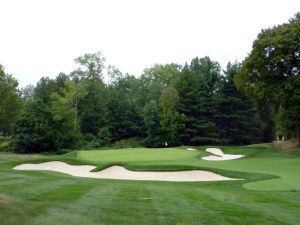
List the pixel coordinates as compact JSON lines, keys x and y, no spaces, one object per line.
{"x":197,"y":88}
{"x":64,"y":110}
{"x":127,"y":143}
{"x":92,"y":110}
{"x":35,"y":129}
{"x":267,"y":119}
{"x":151,"y":121}
{"x":236,"y":114}
{"x":125,"y":119}
{"x":271,"y":72}
{"x":93,"y":65}
{"x":170,"y":121}
{"x":5,"y":143}
{"x":284,"y":125}
{"x":10,"y":102}
{"x":46,"y":87}
{"x":27,"y":92}
{"x":167,"y":104}
{"x":104,"y":136}
{"x":156,"y":78}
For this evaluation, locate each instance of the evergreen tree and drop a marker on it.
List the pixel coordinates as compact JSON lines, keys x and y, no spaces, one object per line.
{"x":197,"y":89}
{"x":236,"y":117}
{"x":266,"y":116}
{"x":151,"y":120}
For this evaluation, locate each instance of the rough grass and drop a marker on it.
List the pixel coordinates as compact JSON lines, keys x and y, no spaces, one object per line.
{"x":40,"y":197}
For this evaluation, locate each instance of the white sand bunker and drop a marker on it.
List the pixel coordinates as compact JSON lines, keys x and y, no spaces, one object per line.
{"x":218,"y":155}
{"x":191,"y":149}
{"x":120,"y":173}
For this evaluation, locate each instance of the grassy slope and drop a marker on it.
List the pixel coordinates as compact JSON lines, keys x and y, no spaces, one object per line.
{"x":261,"y":160}
{"x":39,"y":197}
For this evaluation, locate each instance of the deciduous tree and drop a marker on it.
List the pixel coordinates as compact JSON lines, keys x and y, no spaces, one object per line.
{"x":10,"y":101}
{"x":271,"y":72}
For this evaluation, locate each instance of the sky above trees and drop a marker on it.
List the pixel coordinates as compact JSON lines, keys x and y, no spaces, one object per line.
{"x":41,"y":38}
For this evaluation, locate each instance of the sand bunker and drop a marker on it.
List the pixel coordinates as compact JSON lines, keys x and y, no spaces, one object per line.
{"x":121,"y":173}
{"x":215,"y":151}
{"x":191,"y":149}
{"x":218,"y":155}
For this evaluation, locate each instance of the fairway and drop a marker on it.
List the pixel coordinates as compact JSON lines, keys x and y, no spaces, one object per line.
{"x":150,"y":125}
{"x":45,"y":197}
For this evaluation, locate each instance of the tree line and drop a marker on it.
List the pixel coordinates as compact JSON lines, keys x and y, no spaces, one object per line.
{"x":192,"y":104}
{"x":189,"y":104}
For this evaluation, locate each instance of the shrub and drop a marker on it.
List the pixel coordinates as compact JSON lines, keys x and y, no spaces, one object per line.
{"x":128,"y":143}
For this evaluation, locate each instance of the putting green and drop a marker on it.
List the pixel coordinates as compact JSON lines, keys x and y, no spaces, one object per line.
{"x":283,"y":166}
{"x":137,"y":155}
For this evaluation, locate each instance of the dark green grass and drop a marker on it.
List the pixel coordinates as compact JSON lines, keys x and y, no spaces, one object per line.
{"x":40,"y":197}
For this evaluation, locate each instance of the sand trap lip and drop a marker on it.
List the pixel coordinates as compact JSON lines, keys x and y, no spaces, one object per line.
{"x":121,"y":173}
{"x":218,"y":155}
{"x":215,"y":151}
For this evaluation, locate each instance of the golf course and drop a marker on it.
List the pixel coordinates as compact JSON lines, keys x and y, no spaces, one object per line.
{"x":170,"y":113}
{"x":267,"y":190}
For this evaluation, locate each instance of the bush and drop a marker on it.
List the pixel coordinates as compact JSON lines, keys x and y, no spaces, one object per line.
{"x":104,"y":136}
{"x":34,"y":131}
{"x":102,"y":139}
{"x":5,"y":144}
{"x":128,"y":143}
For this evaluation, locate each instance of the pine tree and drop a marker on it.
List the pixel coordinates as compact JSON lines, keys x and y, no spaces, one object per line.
{"x":236,"y":117}
{"x":197,"y":87}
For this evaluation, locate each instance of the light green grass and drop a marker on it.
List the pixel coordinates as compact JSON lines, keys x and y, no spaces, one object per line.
{"x":286,"y":169}
{"x":47,"y":198}
{"x":137,"y":155}
{"x":261,"y":160}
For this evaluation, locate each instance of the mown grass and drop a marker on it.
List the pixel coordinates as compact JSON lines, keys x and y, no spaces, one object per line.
{"x":283,"y":167}
{"x":40,"y":197}
{"x":137,"y":155}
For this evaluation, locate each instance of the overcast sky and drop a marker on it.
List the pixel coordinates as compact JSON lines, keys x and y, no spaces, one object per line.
{"x":42,"y":38}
